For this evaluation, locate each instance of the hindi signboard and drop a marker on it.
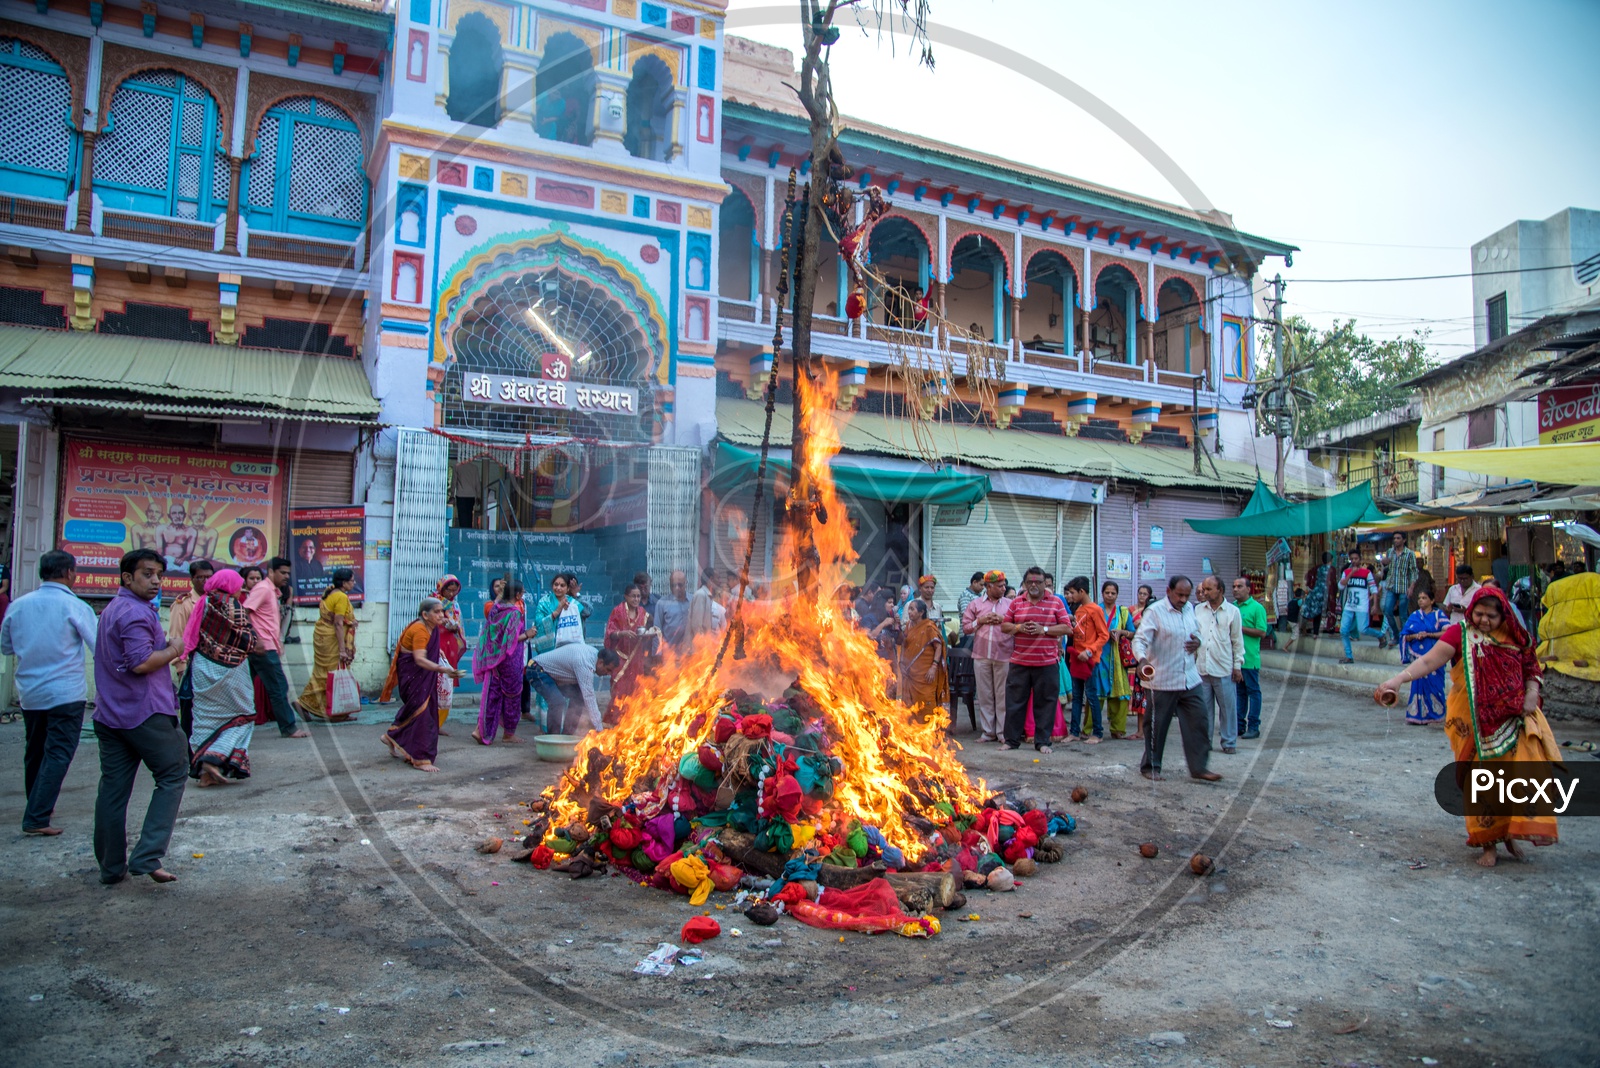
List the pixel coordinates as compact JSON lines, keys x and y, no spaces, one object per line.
{"x":186,"y":504}
{"x":1569,"y":414}
{"x":552,"y":392}
{"x":322,"y":540}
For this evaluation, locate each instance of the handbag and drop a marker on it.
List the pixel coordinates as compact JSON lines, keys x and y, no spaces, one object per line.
{"x":1125,"y":651}
{"x":343,"y":695}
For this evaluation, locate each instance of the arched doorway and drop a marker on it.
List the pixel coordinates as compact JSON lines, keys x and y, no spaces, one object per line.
{"x":476,"y":63}
{"x":975,"y":297}
{"x":649,"y":133}
{"x":1048,"y":312}
{"x":556,"y":309}
{"x":898,"y":251}
{"x":738,"y":250}
{"x":1179,"y":337}
{"x":1114,"y":322}
{"x":565,"y":85}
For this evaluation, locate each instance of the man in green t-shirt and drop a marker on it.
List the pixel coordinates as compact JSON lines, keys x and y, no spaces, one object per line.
{"x":1253,"y":622}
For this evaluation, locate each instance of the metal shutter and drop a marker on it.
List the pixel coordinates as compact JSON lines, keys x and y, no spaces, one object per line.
{"x":1115,"y":520}
{"x":1252,"y":555}
{"x":1075,"y":555}
{"x":673,"y":500}
{"x":1010,"y":533}
{"x":1184,"y":547}
{"x":321,"y":479}
{"x":421,"y":476}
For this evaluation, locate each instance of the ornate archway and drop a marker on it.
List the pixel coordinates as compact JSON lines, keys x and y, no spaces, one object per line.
{"x":514,"y":305}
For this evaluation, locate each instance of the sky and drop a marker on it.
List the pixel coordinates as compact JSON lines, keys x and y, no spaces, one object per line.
{"x":1382,"y":138}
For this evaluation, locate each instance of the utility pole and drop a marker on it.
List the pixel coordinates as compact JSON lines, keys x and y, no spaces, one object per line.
{"x":1277,"y":377}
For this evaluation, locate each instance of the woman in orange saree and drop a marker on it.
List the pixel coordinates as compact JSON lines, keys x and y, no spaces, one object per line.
{"x":1492,"y":712}
{"x":923,"y":681}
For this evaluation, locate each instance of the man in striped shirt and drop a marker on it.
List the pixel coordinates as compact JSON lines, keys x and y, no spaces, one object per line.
{"x":1037,"y":620}
{"x":1166,"y":642}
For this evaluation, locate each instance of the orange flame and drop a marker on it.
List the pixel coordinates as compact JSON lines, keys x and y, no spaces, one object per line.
{"x":896,"y":763}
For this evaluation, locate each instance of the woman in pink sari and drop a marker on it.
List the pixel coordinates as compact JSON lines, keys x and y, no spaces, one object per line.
{"x":498,"y":666}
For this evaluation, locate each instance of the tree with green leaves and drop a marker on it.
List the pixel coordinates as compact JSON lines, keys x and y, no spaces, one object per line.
{"x":1342,"y":374}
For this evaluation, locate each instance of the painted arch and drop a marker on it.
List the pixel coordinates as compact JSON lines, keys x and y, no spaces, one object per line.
{"x":610,"y":286}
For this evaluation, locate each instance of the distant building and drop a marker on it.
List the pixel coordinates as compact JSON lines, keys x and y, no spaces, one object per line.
{"x":1528,"y":269}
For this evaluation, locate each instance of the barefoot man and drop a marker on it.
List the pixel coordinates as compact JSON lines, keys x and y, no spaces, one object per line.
{"x":1165,"y":646}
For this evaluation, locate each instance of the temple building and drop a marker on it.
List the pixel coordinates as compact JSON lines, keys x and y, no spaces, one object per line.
{"x":488,"y":286}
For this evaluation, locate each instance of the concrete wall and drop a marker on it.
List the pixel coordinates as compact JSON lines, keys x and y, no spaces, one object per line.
{"x":1528,"y":261}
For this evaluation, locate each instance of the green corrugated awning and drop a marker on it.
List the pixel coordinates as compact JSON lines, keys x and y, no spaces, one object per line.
{"x":184,"y":370}
{"x":1307,"y":517}
{"x":736,"y":467}
{"x":740,"y":421}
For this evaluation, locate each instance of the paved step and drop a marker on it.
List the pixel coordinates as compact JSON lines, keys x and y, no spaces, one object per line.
{"x":1362,"y":677}
{"x":1363,"y":651}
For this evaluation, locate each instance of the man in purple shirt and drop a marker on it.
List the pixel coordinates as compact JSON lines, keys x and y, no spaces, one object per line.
{"x":136,"y":722}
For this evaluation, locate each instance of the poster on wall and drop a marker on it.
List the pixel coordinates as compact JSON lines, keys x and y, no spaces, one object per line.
{"x":1152,"y":568}
{"x":186,"y":504}
{"x":1119,"y":565}
{"x":322,"y":540}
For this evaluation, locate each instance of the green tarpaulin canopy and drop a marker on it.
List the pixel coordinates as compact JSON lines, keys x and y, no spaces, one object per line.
{"x":1261,"y":500}
{"x":1307,"y":517}
{"x":736,"y":467}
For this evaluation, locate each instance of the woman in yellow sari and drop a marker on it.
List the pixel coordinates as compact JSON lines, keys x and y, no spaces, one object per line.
{"x":923,"y":682}
{"x":333,"y":644}
{"x":1492,"y":711}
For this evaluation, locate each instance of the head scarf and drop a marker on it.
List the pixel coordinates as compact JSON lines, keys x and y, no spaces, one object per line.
{"x":927,"y":578}
{"x":439,"y":589}
{"x":227,"y":583}
{"x":1497,"y":668}
{"x":994,"y":576}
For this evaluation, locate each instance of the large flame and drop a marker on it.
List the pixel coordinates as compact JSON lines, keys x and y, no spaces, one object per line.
{"x":897,"y":765}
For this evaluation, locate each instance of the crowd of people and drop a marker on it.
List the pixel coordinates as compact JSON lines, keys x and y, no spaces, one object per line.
{"x":181,"y":700}
{"x":184,"y":699}
{"x":1066,"y":667}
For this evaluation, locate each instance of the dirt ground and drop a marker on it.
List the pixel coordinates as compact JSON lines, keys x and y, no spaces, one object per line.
{"x":332,"y":911}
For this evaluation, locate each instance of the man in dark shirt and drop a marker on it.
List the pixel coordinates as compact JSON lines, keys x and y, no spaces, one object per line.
{"x":136,"y":722}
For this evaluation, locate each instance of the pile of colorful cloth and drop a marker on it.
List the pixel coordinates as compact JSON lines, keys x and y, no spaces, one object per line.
{"x":754,"y":797}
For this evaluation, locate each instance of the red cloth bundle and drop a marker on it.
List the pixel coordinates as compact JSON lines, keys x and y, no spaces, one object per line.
{"x":698,"y":929}
{"x":756,"y":727}
{"x":542,"y":856}
{"x":871,"y":907}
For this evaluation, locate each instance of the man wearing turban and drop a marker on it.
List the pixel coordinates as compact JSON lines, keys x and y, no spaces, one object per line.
{"x":926,"y":585}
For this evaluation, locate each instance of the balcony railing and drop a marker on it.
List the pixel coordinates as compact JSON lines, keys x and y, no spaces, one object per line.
{"x":25,"y":211}
{"x":159,"y":230}
{"x":295,"y":248}
{"x":1395,"y":479}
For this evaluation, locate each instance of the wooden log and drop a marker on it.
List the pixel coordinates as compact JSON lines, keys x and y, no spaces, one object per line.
{"x":740,"y":848}
{"x":943,"y":886}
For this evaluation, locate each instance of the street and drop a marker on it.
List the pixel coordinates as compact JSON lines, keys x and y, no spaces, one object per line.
{"x":333,"y":910}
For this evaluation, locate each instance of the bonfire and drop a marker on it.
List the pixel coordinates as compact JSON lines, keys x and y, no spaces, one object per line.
{"x":777,"y":757}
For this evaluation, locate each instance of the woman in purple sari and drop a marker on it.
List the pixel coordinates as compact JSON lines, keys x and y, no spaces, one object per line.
{"x":498,"y":666}
{"x":414,"y":737}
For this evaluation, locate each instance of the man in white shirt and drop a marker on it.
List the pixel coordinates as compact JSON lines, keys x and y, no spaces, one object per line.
{"x":566,"y":675}
{"x":47,"y":631}
{"x":1220,"y":660}
{"x":1457,"y":597}
{"x":1167,"y":640}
